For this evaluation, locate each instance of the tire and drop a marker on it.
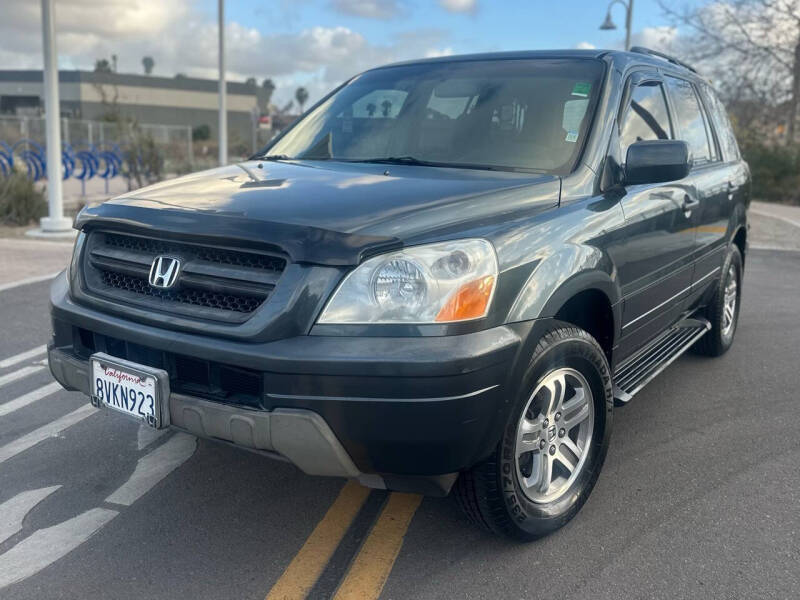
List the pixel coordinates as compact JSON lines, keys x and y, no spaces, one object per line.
{"x":720,"y":338}
{"x":505,"y":493}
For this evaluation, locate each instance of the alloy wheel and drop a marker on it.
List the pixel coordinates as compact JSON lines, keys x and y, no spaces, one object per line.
{"x":729,"y":302}
{"x":554,"y":435}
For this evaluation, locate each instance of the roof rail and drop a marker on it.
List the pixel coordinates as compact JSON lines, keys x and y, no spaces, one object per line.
{"x":667,"y":57}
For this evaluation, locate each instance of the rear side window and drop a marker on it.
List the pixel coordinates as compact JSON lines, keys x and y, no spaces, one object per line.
{"x":722,"y":125}
{"x":691,"y":123}
{"x":647,"y":117}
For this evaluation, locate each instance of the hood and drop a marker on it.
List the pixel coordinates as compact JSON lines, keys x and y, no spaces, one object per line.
{"x":323,"y":212}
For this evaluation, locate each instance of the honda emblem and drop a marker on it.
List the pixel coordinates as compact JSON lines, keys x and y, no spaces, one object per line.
{"x":164,"y":272}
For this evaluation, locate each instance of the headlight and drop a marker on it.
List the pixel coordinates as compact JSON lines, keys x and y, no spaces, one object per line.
{"x":437,"y":283}
{"x":72,"y":265}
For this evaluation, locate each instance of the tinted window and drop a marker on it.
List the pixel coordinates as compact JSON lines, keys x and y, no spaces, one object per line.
{"x":722,"y":125}
{"x":646,"y":118}
{"x":518,"y":114}
{"x":690,"y":121}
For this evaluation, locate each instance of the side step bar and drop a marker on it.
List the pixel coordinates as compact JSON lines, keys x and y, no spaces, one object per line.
{"x":640,"y":369}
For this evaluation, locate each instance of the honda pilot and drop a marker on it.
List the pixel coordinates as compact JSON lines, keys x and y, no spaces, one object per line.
{"x":445,"y":276}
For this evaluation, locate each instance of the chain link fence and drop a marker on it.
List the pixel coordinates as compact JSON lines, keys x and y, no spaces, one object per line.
{"x":173,"y":142}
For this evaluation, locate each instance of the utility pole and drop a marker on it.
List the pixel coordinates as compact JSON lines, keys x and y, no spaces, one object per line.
{"x":55,"y":221}
{"x":628,"y":19}
{"x":223,"y":108}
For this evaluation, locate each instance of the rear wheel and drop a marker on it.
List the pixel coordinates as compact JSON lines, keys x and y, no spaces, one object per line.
{"x":554,"y":443}
{"x":723,"y":310}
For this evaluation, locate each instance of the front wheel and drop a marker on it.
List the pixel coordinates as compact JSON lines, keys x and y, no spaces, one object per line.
{"x":554,"y":444}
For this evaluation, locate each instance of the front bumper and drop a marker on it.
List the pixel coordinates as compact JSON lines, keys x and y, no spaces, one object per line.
{"x":402,"y":413}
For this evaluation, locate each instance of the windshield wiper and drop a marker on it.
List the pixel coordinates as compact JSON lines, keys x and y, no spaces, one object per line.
{"x":397,"y":160}
{"x":413,"y":160}
{"x":274,"y":157}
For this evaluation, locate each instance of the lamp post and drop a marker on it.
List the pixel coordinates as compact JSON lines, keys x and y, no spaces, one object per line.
{"x":609,"y":24}
{"x":223,"y":108}
{"x":55,"y":221}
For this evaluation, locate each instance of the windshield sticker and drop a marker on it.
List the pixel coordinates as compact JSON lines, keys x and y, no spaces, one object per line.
{"x":572,"y":136}
{"x":574,"y":111}
{"x":581,"y":89}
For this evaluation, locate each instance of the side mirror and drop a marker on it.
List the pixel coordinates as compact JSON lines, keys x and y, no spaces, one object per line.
{"x":656,"y":161}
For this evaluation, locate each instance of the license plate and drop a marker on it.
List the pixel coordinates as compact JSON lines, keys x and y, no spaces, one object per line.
{"x":135,"y":390}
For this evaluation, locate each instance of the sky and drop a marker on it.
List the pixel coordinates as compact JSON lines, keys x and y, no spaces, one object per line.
{"x":314,"y":43}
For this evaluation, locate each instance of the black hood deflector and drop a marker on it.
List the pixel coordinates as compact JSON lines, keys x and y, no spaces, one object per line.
{"x":303,"y":243}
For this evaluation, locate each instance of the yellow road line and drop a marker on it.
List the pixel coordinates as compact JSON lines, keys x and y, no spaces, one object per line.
{"x":374,"y":562}
{"x":308,"y":564}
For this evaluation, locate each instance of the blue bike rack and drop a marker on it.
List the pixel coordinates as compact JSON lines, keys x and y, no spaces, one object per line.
{"x":82,"y":161}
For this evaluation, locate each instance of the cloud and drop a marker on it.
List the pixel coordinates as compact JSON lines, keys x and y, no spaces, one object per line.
{"x":663,"y":38}
{"x":368,"y":9}
{"x":584,"y":46}
{"x":437,"y":52}
{"x":183,"y":39}
{"x":656,"y":38}
{"x":459,"y":6}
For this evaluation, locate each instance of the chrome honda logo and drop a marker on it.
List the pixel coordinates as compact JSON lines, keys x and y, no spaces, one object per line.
{"x":164,"y":272}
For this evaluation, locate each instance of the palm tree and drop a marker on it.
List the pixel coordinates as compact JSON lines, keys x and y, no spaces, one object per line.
{"x":148,"y":63}
{"x":301,"y":95}
{"x":386,"y":105}
{"x":371,"y":108}
{"x":268,"y":86}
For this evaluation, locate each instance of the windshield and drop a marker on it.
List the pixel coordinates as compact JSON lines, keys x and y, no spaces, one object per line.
{"x":530,"y":114}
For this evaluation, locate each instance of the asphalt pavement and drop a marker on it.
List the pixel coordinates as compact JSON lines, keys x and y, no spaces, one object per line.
{"x":698,"y":498}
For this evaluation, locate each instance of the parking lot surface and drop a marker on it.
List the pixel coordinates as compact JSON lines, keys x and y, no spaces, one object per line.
{"x":698,"y":498}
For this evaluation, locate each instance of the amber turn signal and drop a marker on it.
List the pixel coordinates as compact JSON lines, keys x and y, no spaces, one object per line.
{"x":469,"y":302}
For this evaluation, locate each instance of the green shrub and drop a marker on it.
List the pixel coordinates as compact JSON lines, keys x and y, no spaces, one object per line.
{"x":20,"y":200}
{"x":201,"y":133}
{"x":776,"y":172}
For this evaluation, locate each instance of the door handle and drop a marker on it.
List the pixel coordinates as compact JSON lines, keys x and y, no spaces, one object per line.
{"x":730,"y":190}
{"x":689,"y":203}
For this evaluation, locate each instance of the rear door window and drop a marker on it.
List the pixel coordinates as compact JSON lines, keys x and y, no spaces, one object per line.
{"x":722,"y":125}
{"x":647,"y":117}
{"x":690,"y":120}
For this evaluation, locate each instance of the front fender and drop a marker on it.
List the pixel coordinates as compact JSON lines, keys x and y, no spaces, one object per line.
{"x":560,"y":276}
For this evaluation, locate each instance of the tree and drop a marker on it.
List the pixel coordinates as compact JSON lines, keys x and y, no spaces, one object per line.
{"x":751,"y":50}
{"x":371,"y":108}
{"x":250,"y":81}
{"x":101,"y":65}
{"x":201,"y":133}
{"x":301,"y":95}
{"x":268,"y":86}
{"x":148,"y":63}
{"x":386,"y":108}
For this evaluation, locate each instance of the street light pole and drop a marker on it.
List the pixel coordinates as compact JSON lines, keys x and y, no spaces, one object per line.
{"x":55,"y":221}
{"x":223,"y":109}
{"x":609,"y":24}
{"x":628,"y":19}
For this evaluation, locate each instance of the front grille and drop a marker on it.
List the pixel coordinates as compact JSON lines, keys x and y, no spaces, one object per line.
{"x":215,"y":283}
{"x":224,"y":256}
{"x":138,"y":285}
